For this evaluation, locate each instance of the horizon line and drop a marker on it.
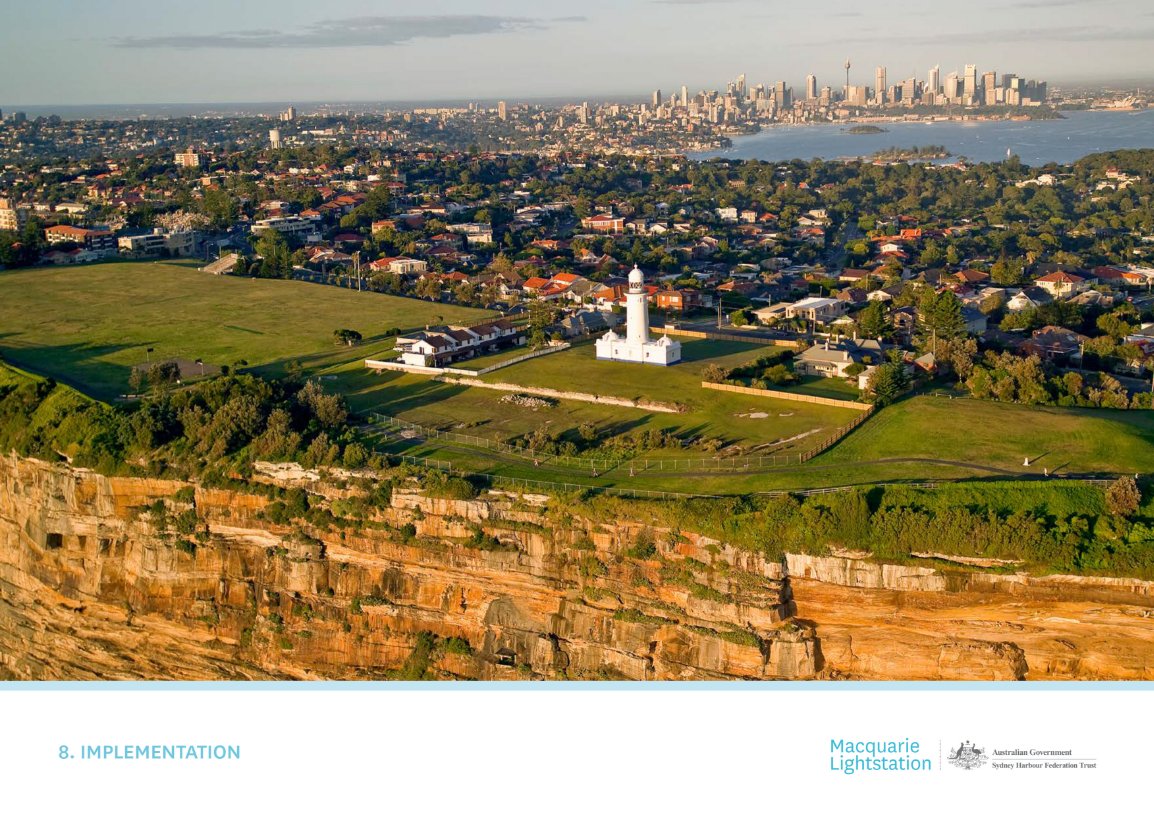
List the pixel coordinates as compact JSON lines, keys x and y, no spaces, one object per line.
{"x":576,"y":97}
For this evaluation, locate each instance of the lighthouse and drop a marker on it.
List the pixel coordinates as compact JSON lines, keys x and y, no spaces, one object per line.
{"x":637,"y":346}
{"x":637,"y":310}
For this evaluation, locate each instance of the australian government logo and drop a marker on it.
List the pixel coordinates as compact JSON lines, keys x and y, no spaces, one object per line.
{"x":967,"y":756}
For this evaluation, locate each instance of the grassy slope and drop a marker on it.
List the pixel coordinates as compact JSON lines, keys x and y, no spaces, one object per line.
{"x":1003,"y":435}
{"x":89,"y":325}
{"x":709,"y":414}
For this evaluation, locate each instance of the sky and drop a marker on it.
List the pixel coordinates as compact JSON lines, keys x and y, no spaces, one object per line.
{"x":157,"y":51}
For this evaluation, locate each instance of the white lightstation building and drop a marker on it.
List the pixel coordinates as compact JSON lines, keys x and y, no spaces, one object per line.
{"x":637,"y":346}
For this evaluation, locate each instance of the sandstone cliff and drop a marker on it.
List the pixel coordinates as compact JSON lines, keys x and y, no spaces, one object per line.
{"x":104,"y":577}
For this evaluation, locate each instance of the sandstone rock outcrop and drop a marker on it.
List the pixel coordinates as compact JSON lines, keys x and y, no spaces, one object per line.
{"x":106,"y":577}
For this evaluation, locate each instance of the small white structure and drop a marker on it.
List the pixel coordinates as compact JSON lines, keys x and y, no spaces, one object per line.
{"x":636,"y":346}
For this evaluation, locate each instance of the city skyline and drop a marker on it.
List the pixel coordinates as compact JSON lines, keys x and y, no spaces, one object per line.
{"x":209,"y":51}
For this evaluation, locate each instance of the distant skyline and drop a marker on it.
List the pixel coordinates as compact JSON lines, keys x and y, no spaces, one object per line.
{"x":126,"y":52}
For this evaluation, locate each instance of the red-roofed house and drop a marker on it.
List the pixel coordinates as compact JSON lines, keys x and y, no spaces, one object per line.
{"x":1063,"y":284}
{"x":95,"y":240}
{"x":400,"y":265}
{"x":972,"y":276}
{"x":604,"y":223}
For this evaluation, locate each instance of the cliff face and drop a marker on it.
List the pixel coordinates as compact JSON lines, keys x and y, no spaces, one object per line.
{"x":132,"y":578}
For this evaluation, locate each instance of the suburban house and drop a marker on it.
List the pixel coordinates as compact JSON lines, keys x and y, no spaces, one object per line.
{"x":833,"y":360}
{"x":1054,"y":343}
{"x":474,"y":233}
{"x":400,"y":266}
{"x":904,"y":318}
{"x":438,"y":347}
{"x":678,"y":300}
{"x":772,"y":313}
{"x":587,"y":322}
{"x":1063,"y":284}
{"x":972,"y":276}
{"x":603,"y":223}
{"x":1029,"y":298}
{"x":976,"y":322}
{"x":1116,"y":277}
{"x":818,"y":310}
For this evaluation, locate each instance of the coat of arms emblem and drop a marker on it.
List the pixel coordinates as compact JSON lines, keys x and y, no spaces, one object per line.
{"x":967,"y":756}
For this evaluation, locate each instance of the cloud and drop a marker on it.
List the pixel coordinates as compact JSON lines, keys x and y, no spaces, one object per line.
{"x":1065,"y":34}
{"x":376,"y":31}
{"x":691,"y":2}
{"x":1049,"y":4}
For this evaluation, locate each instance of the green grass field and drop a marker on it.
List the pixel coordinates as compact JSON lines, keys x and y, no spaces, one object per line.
{"x":89,"y":325}
{"x":748,"y":422}
{"x":831,"y":387}
{"x":577,"y":369}
{"x":1001,"y":435}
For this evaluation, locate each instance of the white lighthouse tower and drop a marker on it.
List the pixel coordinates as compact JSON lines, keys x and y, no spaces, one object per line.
{"x":636,"y":346}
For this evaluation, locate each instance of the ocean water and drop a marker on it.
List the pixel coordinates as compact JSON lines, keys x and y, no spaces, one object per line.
{"x":1036,"y":142}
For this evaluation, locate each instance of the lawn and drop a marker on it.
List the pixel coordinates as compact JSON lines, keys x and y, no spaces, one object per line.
{"x":475,"y":364}
{"x":89,"y":325}
{"x":577,"y":369}
{"x":751,"y":423}
{"x":831,"y":387}
{"x":1001,"y":435}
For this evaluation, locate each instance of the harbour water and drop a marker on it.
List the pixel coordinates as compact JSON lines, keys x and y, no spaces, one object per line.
{"x":1035,"y":142}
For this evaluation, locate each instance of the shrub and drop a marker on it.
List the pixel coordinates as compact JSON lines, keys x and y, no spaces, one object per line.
{"x":643,"y":546}
{"x":1123,"y":497}
{"x":713,"y":373}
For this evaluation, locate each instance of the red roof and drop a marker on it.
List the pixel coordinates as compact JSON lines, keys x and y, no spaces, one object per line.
{"x":1060,"y":277}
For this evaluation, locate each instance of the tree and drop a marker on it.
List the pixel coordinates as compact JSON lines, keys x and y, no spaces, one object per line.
{"x":941,"y":315}
{"x":712,"y":373}
{"x":374,"y":207}
{"x":541,"y":315}
{"x":1123,"y":497}
{"x":349,"y":337}
{"x":429,"y":288}
{"x":960,"y":353}
{"x":329,"y":409}
{"x":888,"y":382}
{"x":163,"y":374}
{"x":276,"y":260}
{"x":1008,"y":272}
{"x":871,"y":321}
{"x":220,"y":207}
{"x":1114,"y":326}
{"x":465,"y":293}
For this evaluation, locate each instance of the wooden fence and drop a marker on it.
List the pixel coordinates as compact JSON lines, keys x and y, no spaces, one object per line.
{"x":836,"y":437}
{"x":722,"y":334}
{"x":789,"y":395}
{"x":548,"y":350}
